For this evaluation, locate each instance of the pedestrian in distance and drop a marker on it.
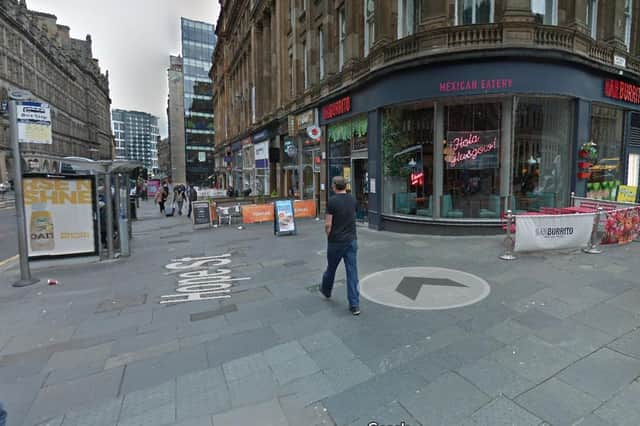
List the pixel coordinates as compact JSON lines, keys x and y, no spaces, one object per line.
{"x":161,"y":197}
{"x":342,"y":243}
{"x":193,"y":196}
{"x":180,"y":197}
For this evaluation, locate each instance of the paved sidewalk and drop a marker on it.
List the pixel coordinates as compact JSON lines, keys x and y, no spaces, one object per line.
{"x":555,"y":342}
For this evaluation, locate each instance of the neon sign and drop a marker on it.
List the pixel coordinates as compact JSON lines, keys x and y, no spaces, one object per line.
{"x":619,"y":90}
{"x":472,"y":150}
{"x":334,"y":109}
{"x":417,"y":179}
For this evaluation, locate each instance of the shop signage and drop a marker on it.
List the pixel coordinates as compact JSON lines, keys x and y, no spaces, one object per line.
{"x":553,"y":232}
{"x":201,"y":214}
{"x":470,"y":85}
{"x":619,"y":61}
{"x":34,"y":123}
{"x":627,"y":194}
{"x":256,"y":213}
{"x":262,"y":135}
{"x":472,"y":150}
{"x":284,"y":223}
{"x":59,"y":215}
{"x":334,"y":109}
{"x":314,"y":132}
{"x":305,"y":119}
{"x":262,"y":155}
{"x":619,"y":90}
{"x":417,"y":179}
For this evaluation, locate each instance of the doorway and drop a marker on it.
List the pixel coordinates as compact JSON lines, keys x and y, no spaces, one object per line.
{"x":360,"y":187}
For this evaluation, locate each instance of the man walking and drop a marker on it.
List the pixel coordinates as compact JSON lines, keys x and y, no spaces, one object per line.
{"x":193,"y":196}
{"x":340,"y":227}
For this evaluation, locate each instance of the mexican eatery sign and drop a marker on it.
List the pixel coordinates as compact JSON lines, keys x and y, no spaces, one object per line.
{"x":334,"y":109}
{"x":619,"y":90}
{"x":472,"y":150}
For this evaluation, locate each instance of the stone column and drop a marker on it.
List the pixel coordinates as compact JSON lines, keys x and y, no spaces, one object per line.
{"x":577,"y":16}
{"x":433,"y":14}
{"x":385,"y":27}
{"x":354,"y":11}
{"x":517,"y":11}
{"x":614,"y":23}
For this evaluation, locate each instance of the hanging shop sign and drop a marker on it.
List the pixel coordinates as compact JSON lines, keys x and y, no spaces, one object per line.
{"x":201,"y":214}
{"x":472,"y":150}
{"x":305,"y":120}
{"x":314,"y":132}
{"x":621,"y":91}
{"x":59,"y":216}
{"x":553,"y":232}
{"x":284,"y":223}
{"x":262,"y":155}
{"x":290,"y":148}
{"x":34,"y":123}
{"x":337,"y":108}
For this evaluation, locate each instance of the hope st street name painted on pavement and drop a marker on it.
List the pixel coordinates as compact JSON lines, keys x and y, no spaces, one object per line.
{"x":201,"y":284}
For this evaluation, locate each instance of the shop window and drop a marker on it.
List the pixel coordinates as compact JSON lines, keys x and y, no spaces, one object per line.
{"x":472,"y":161}
{"x":342,"y":138}
{"x":545,"y":11}
{"x":407,"y":150}
{"x":606,"y":135}
{"x":470,"y":12}
{"x":541,"y":154}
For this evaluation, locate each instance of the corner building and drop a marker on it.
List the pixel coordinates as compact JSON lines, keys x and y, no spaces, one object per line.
{"x":441,"y":114}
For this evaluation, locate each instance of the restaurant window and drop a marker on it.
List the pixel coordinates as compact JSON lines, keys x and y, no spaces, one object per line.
{"x":545,"y":11}
{"x":342,"y":137}
{"x":541,"y":154}
{"x":407,"y":151}
{"x":472,"y":161}
{"x":474,"y":11}
{"x":606,"y":135}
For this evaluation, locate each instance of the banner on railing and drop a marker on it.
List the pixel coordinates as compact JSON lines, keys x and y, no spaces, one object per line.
{"x":621,"y":226}
{"x":553,"y":232}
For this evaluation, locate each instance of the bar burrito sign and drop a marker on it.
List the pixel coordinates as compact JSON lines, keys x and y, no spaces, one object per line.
{"x":472,"y":150}
{"x":553,"y":232}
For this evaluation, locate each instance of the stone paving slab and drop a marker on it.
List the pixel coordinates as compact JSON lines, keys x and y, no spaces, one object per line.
{"x":278,"y":350}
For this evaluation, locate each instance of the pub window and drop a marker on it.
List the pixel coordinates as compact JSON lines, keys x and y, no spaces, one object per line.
{"x":369,"y":25}
{"x":470,"y":12}
{"x":592,"y":17}
{"x":545,"y":11}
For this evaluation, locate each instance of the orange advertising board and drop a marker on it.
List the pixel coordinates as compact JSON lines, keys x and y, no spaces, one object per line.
{"x":256,"y":213}
{"x":306,"y":208}
{"x":212,"y":211}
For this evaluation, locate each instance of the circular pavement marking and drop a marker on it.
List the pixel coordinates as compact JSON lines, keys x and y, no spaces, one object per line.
{"x":423,"y":288}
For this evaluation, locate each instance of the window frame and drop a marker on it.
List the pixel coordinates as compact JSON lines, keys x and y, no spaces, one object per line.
{"x":628,"y":18}
{"x":321,"y":52}
{"x":305,"y":60}
{"x":369,"y":26}
{"x":554,"y":11}
{"x":403,"y":28}
{"x":342,"y":36}
{"x":492,"y":13}
{"x":592,"y":21}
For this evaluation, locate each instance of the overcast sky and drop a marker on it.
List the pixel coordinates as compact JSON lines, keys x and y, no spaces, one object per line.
{"x":133,"y":40}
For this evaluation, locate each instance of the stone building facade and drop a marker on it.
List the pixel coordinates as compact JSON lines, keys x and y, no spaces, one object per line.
{"x":37,"y":54}
{"x":389,"y":83}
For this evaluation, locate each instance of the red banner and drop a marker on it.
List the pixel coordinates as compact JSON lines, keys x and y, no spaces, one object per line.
{"x":256,"y":213}
{"x":305,"y":208}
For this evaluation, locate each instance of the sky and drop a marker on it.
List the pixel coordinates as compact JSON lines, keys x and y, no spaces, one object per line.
{"x":133,"y":40}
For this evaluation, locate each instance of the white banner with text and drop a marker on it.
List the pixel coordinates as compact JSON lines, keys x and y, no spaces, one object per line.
{"x":553,"y":232}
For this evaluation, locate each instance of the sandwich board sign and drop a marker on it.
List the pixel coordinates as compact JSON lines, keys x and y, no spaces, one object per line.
{"x":201,"y":214}
{"x":284,"y":222}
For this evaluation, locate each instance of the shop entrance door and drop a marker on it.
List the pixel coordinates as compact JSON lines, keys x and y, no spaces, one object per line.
{"x":360,"y":187}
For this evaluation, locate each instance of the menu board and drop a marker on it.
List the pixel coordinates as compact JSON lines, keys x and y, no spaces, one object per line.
{"x":474,"y":150}
{"x":201,"y":214}
{"x":284,"y":223}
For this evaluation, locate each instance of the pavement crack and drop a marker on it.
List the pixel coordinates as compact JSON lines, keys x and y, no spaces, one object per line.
{"x":124,"y":370}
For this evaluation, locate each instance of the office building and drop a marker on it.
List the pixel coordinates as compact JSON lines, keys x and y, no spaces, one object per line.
{"x":136,"y":134}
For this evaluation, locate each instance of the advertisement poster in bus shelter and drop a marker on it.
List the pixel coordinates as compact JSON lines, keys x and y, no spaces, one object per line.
{"x":59,"y":215}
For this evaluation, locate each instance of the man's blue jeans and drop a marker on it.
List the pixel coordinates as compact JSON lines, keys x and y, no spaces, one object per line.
{"x":335,"y":253}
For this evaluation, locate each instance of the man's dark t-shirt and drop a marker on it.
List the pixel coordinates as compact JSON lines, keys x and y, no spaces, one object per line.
{"x":343,"y":209}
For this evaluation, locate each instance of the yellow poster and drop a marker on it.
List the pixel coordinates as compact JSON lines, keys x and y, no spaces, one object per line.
{"x":627,"y":194}
{"x":347,"y":176}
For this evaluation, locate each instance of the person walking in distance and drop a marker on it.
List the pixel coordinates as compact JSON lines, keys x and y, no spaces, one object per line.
{"x":193,"y":196}
{"x":342,"y":243}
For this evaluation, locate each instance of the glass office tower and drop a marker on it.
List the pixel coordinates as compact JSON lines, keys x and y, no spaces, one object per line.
{"x":198,"y":42}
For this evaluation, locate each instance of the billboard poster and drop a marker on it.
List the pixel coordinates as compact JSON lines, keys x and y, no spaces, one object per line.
{"x":306,"y":208}
{"x":59,"y":216}
{"x":153,"y":185}
{"x":472,"y":150}
{"x":256,"y":213}
{"x":553,"y":232}
{"x":284,"y":223}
